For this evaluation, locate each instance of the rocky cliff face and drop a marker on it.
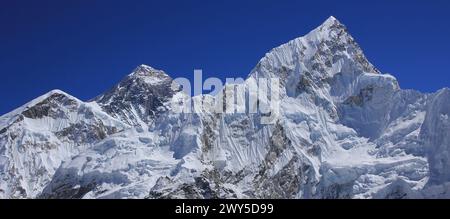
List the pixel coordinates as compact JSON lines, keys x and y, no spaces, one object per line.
{"x":344,"y":130}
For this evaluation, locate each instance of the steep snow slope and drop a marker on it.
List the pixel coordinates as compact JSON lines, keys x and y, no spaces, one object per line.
{"x":343,"y":130}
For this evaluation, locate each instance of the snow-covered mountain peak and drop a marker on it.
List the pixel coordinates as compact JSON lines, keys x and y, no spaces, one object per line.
{"x":331,"y":19}
{"x":140,"y":96}
{"x":144,"y":70}
{"x":57,"y":91}
{"x":331,"y":23}
{"x":326,"y":58}
{"x":51,"y":94}
{"x":343,"y":131}
{"x":148,"y":75}
{"x":40,"y":104}
{"x":144,"y":67}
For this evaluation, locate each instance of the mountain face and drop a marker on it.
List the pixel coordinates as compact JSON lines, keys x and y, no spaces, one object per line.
{"x":344,"y":130}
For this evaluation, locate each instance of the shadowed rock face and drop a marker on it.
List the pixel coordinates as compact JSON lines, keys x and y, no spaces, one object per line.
{"x":295,"y":177}
{"x":51,"y":107}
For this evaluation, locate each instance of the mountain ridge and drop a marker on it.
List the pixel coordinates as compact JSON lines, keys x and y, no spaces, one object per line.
{"x":344,"y":130}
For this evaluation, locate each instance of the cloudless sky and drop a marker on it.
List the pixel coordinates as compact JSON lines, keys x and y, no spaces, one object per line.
{"x":85,"y":47}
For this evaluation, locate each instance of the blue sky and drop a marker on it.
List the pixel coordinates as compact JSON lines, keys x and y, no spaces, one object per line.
{"x":85,"y":47}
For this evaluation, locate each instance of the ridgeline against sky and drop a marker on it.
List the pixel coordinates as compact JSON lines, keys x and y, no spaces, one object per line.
{"x":83,"y":47}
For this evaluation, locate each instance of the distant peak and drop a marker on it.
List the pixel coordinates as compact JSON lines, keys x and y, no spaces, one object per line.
{"x":56,"y":91}
{"x":327,"y":41}
{"x":144,"y":69}
{"x":146,"y":74}
{"x":51,"y":94}
{"x":331,"y":19}
{"x":330,"y":23}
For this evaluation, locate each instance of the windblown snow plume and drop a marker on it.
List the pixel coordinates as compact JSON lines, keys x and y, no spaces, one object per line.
{"x":344,"y":130}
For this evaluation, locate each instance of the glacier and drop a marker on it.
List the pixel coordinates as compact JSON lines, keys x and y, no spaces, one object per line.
{"x":344,"y":130}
